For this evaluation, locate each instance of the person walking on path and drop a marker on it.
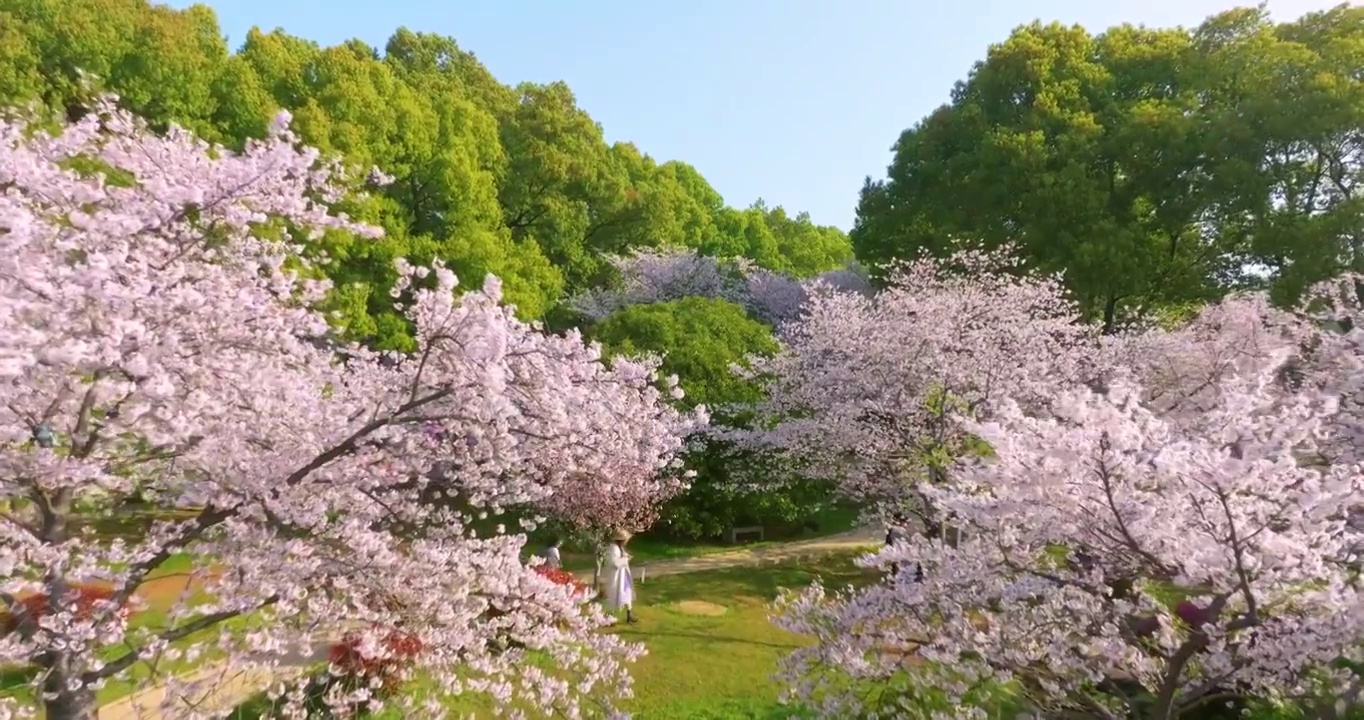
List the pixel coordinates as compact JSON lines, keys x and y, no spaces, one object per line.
{"x":551,"y":554}
{"x":620,"y":586}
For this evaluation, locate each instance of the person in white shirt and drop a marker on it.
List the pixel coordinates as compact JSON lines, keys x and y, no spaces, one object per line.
{"x":620,"y":587}
{"x":551,"y":554}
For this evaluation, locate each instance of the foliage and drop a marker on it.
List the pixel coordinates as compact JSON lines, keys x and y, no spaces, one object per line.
{"x":517,"y":181}
{"x":162,"y":337}
{"x":735,"y":486}
{"x":1152,"y":166}
{"x":698,"y":340}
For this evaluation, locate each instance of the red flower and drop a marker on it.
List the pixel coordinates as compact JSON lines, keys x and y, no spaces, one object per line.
{"x":400,"y":650}
{"x":80,"y":599}
{"x":560,"y":577}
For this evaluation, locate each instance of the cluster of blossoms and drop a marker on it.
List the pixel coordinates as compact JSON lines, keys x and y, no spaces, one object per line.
{"x":870,"y":390}
{"x":1148,"y":524}
{"x":161,"y":338}
{"x":379,"y":663}
{"x":653,"y":276}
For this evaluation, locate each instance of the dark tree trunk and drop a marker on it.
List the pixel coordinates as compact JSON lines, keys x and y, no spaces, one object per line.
{"x":597,"y":567}
{"x":1110,"y":315}
{"x":66,"y":696}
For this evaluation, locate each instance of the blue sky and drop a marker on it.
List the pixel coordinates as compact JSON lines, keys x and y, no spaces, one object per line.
{"x":795,"y":101}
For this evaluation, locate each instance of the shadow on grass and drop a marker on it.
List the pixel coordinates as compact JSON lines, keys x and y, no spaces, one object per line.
{"x":645,"y":549}
{"x":761,"y":581}
{"x":644,"y":636}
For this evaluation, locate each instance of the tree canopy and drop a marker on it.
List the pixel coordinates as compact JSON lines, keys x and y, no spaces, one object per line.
{"x":152,"y":342}
{"x":698,"y":338}
{"x":514,"y":180}
{"x":1154,"y":166}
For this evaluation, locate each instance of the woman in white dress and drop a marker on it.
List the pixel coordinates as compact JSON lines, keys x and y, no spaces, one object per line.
{"x":620,"y":587}
{"x":551,"y":555}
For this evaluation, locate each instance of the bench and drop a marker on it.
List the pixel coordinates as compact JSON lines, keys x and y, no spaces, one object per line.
{"x":732,"y":534}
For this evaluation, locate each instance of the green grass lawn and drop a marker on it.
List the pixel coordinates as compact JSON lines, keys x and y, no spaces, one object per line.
{"x":17,"y":682}
{"x":711,"y":667}
{"x":165,"y":586}
{"x":719,"y":668}
{"x":699,"y":667}
{"x":743,"y":638}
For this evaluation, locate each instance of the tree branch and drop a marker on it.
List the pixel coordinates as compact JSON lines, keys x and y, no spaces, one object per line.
{"x":126,"y":660}
{"x":349,"y":444}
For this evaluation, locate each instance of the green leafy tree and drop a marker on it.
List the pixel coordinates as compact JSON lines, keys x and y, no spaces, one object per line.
{"x":1154,"y":166}
{"x":163,"y":61}
{"x":805,"y":249}
{"x":1038,"y":146}
{"x":700,"y":339}
{"x":697,"y":204}
{"x":573,"y":195}
{"x":515,"y":181}
{"x":1285,"y":108}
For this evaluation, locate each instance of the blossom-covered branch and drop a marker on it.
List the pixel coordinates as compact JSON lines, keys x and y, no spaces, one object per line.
{"x":1157,"y":523}
{"x":157,"y":341}
{"x":869,"y":389}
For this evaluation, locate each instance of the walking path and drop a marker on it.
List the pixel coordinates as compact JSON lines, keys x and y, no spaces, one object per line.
{"x":214,"y":689}
{"x":742,"y":557}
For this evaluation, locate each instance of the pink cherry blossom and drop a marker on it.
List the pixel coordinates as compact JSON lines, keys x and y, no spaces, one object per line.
{"x":160,"y":337}
{"x":1257,"y":539}
{"x":1214,"y":462}
{"x":868,"y":389}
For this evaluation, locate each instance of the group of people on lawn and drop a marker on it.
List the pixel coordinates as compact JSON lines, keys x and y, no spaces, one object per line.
{"x":618,"y":588}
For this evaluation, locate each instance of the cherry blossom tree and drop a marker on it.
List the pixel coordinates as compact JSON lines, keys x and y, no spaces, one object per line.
{"x":1172,"y":534}
{"x":1240,"y":556}
{"x":869,"y":389}
{"x":159,"y":333}
{"x":778,"y":299}
{"x":652,"y":276}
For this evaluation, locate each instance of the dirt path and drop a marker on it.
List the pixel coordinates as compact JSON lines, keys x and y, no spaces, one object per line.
{"x":741,"y":557}
{"x":213,"y":688}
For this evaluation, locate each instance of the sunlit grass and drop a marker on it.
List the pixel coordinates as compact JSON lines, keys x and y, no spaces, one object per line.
{"x":698,"y":667}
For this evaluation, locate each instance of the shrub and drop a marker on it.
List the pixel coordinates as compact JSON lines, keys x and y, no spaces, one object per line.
{"x":561,"y":577}
{"x":383,"y":672}
{"x":84,"y":600}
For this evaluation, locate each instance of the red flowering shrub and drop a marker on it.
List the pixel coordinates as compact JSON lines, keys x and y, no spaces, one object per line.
{"x":560,"y":577}
{"x":400,"y":650}
{"x":82,"y":599}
